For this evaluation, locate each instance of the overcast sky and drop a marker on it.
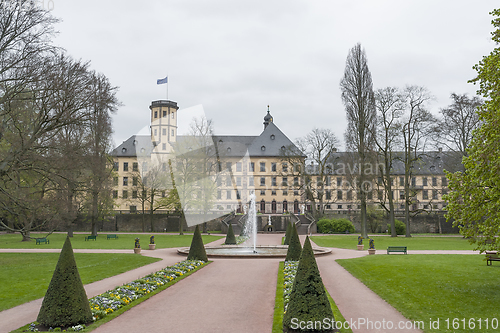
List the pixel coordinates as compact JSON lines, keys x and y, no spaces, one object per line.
{"x":233,"y":58}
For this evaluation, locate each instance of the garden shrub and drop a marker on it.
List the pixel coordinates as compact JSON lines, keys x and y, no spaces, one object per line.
{"x":230,"y":239}
{"x":325,"y":226}
{"x":65,"y":302}
{"x":197,"y":249}
{"x":294,"y":248}
{"x":337,"y":226}
{"x":308,"y":299}
{"x":400,"y":227}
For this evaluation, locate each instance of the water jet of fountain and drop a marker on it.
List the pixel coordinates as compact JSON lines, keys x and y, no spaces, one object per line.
{"x":251,"y":223}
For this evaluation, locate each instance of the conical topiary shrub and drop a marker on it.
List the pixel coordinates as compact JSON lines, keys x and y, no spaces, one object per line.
{"x":308,"y":301}
{"x":65,"y":302}
{"x":287,"y":234}
{"x":294,"y":247}
{"x":197,"y":249}
{"x":230,"y":239}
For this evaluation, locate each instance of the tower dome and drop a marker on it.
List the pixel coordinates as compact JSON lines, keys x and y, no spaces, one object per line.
{"x":268,"y":118}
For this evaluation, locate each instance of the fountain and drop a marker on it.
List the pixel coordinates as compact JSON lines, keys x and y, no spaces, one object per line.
{"x":249,"y":248}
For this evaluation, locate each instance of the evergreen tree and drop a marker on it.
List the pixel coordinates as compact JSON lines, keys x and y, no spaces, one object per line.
{"x":230,"y":239}
{"x":65,"y":303}
{"x":197,"y":249}
{"x":294,"y":247}
{"x":287,"y":233}
{"x":308,"y":300}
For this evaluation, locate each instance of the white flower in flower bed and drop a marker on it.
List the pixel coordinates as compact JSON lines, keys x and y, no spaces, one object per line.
{"x":289,"y":271}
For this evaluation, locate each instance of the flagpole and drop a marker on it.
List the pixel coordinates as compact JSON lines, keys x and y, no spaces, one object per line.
{"x":167,"y":86}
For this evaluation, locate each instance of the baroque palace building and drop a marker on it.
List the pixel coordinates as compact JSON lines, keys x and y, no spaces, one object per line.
{"x":247,"y":165}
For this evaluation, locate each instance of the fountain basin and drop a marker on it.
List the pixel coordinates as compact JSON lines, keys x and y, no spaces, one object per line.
{"x":238,"y":251}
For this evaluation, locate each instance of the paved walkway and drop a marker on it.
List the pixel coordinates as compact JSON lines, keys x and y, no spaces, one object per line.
{"x":229,"y":295}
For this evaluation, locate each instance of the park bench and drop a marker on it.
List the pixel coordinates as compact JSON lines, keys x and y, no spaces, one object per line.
{"x":90,"y":237}
{"x":109,"y":236}
{"x":42,"y":240}
{"x":401,"y":249}
{"x":491,"y":256}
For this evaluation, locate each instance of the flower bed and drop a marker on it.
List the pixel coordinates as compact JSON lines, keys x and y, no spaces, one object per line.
{"x":112,"y":300}
{"x":289,"y":270}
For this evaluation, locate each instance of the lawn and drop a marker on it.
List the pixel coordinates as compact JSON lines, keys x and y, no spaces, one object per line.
{"x":124,"y":241}
{"x":382,"y":242}
{"x":457,"y":290}
{"x":26,"y":276}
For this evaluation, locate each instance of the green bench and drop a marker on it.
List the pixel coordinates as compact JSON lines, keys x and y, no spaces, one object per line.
{"x":42,"y":240}
{"x":109,"y":236}
{"x":491,"y":256}
{"x":400,"y":249}
{"x":90,"y":237}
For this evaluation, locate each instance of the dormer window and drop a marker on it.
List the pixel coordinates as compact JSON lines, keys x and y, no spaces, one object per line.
{"x":272,"y":137}
{"x":124,"y":150}
{"x":263,"y":148}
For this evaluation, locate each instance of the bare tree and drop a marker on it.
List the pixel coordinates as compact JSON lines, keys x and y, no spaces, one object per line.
{"x":416,"y":128}
{"x":390,"y":107}
{"x":358,"y":99}
{"x":458,"y":122}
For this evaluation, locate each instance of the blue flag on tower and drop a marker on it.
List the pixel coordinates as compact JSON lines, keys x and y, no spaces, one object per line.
{"x":162,"y":81}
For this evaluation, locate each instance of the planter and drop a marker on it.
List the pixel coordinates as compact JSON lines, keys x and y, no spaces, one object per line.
{"x":152,"y":246}
{"x":137,"y":250}
{"x":360,"y":247}
{"x":371,"y":251}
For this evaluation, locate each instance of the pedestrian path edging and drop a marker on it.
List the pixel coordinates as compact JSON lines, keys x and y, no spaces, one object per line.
{"x":132,"y":303}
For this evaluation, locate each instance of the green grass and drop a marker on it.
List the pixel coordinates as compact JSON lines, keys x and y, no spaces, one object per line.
{"x":279,"y":306}
{"x":124,"y":241}
{"x":26,"y":276}
{"x":121,"y":310}
{"x":382,"y":242}
{"x":424,"y":287}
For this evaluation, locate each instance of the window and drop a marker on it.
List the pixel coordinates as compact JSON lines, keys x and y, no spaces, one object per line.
{"x":262,"y":192}
{"x":339,"y":195}
{"x":163,"y":146}
{"x":125,"y":166}
{"x":251,"y":166}
{"x":156,"y":114}
{"x":135,"y":166}
{"x":115,"y":194}
{"x":380,"y":195}
{"x":115,"y":181}
{"x":434,"y":194}
{"x":115,"y":166}
{"x":284,"y":167}
{"x":125,"y":194}
{"x":156,"y":132}
{"x":328,"y":194}
{"x":238,"y":195}
{"x":238,"y":167}
{"x":434,"y":181}
{"x":401,"y":181}
{"x":424,"y":181}
{"x":327,"y":181}
{"x":262,"y":166}
{"x":228,"y":181}
{"x":295,"y":181}
{"x":173,"y":133}
{"x":273,"y":192}
{"x":273,"y":181}
{"x":339,"y":181}
{"x":125,"y":181}
{"x":273,"y":167}
{"x":339,"y":206}
{"x":285,"y":181}
{"x":228,"y":194}
{"x":262,"y":181}
{"x":219,"y":181}
{"x":228,"y":165}
{"x":444,"y":192}
{"x":425,"y":194}
{"x":444,"y":181}
{"x":296,"y":167}
{"x":369,"y":195}
{"x":402,"y":195}
{"x":134,"y":181}
{"x":250,"y":181}
{"x":238,"y":181}
{"x":413,"y":181}
{"x":285,"y":193}
{"x":164,"y":131}
{"x":164,"y":113}
{"x":295,"y":193}
{"x":133,"y":209}
{"x":349,"y":195}
{"x":173,"y":115}
{"x":134,"y":194}
{"x":219,"y":194}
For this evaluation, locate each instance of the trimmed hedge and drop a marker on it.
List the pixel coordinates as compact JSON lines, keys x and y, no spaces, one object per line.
{"x":308,"y":299}
{"x":65,"y":303}
{"x":230,"y":238}
{"x":287,"y":233}
{"x":294,"y":248}
{"x":197,"y":249}
{"x":400,"y":227}
{"x":335,"y":226}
